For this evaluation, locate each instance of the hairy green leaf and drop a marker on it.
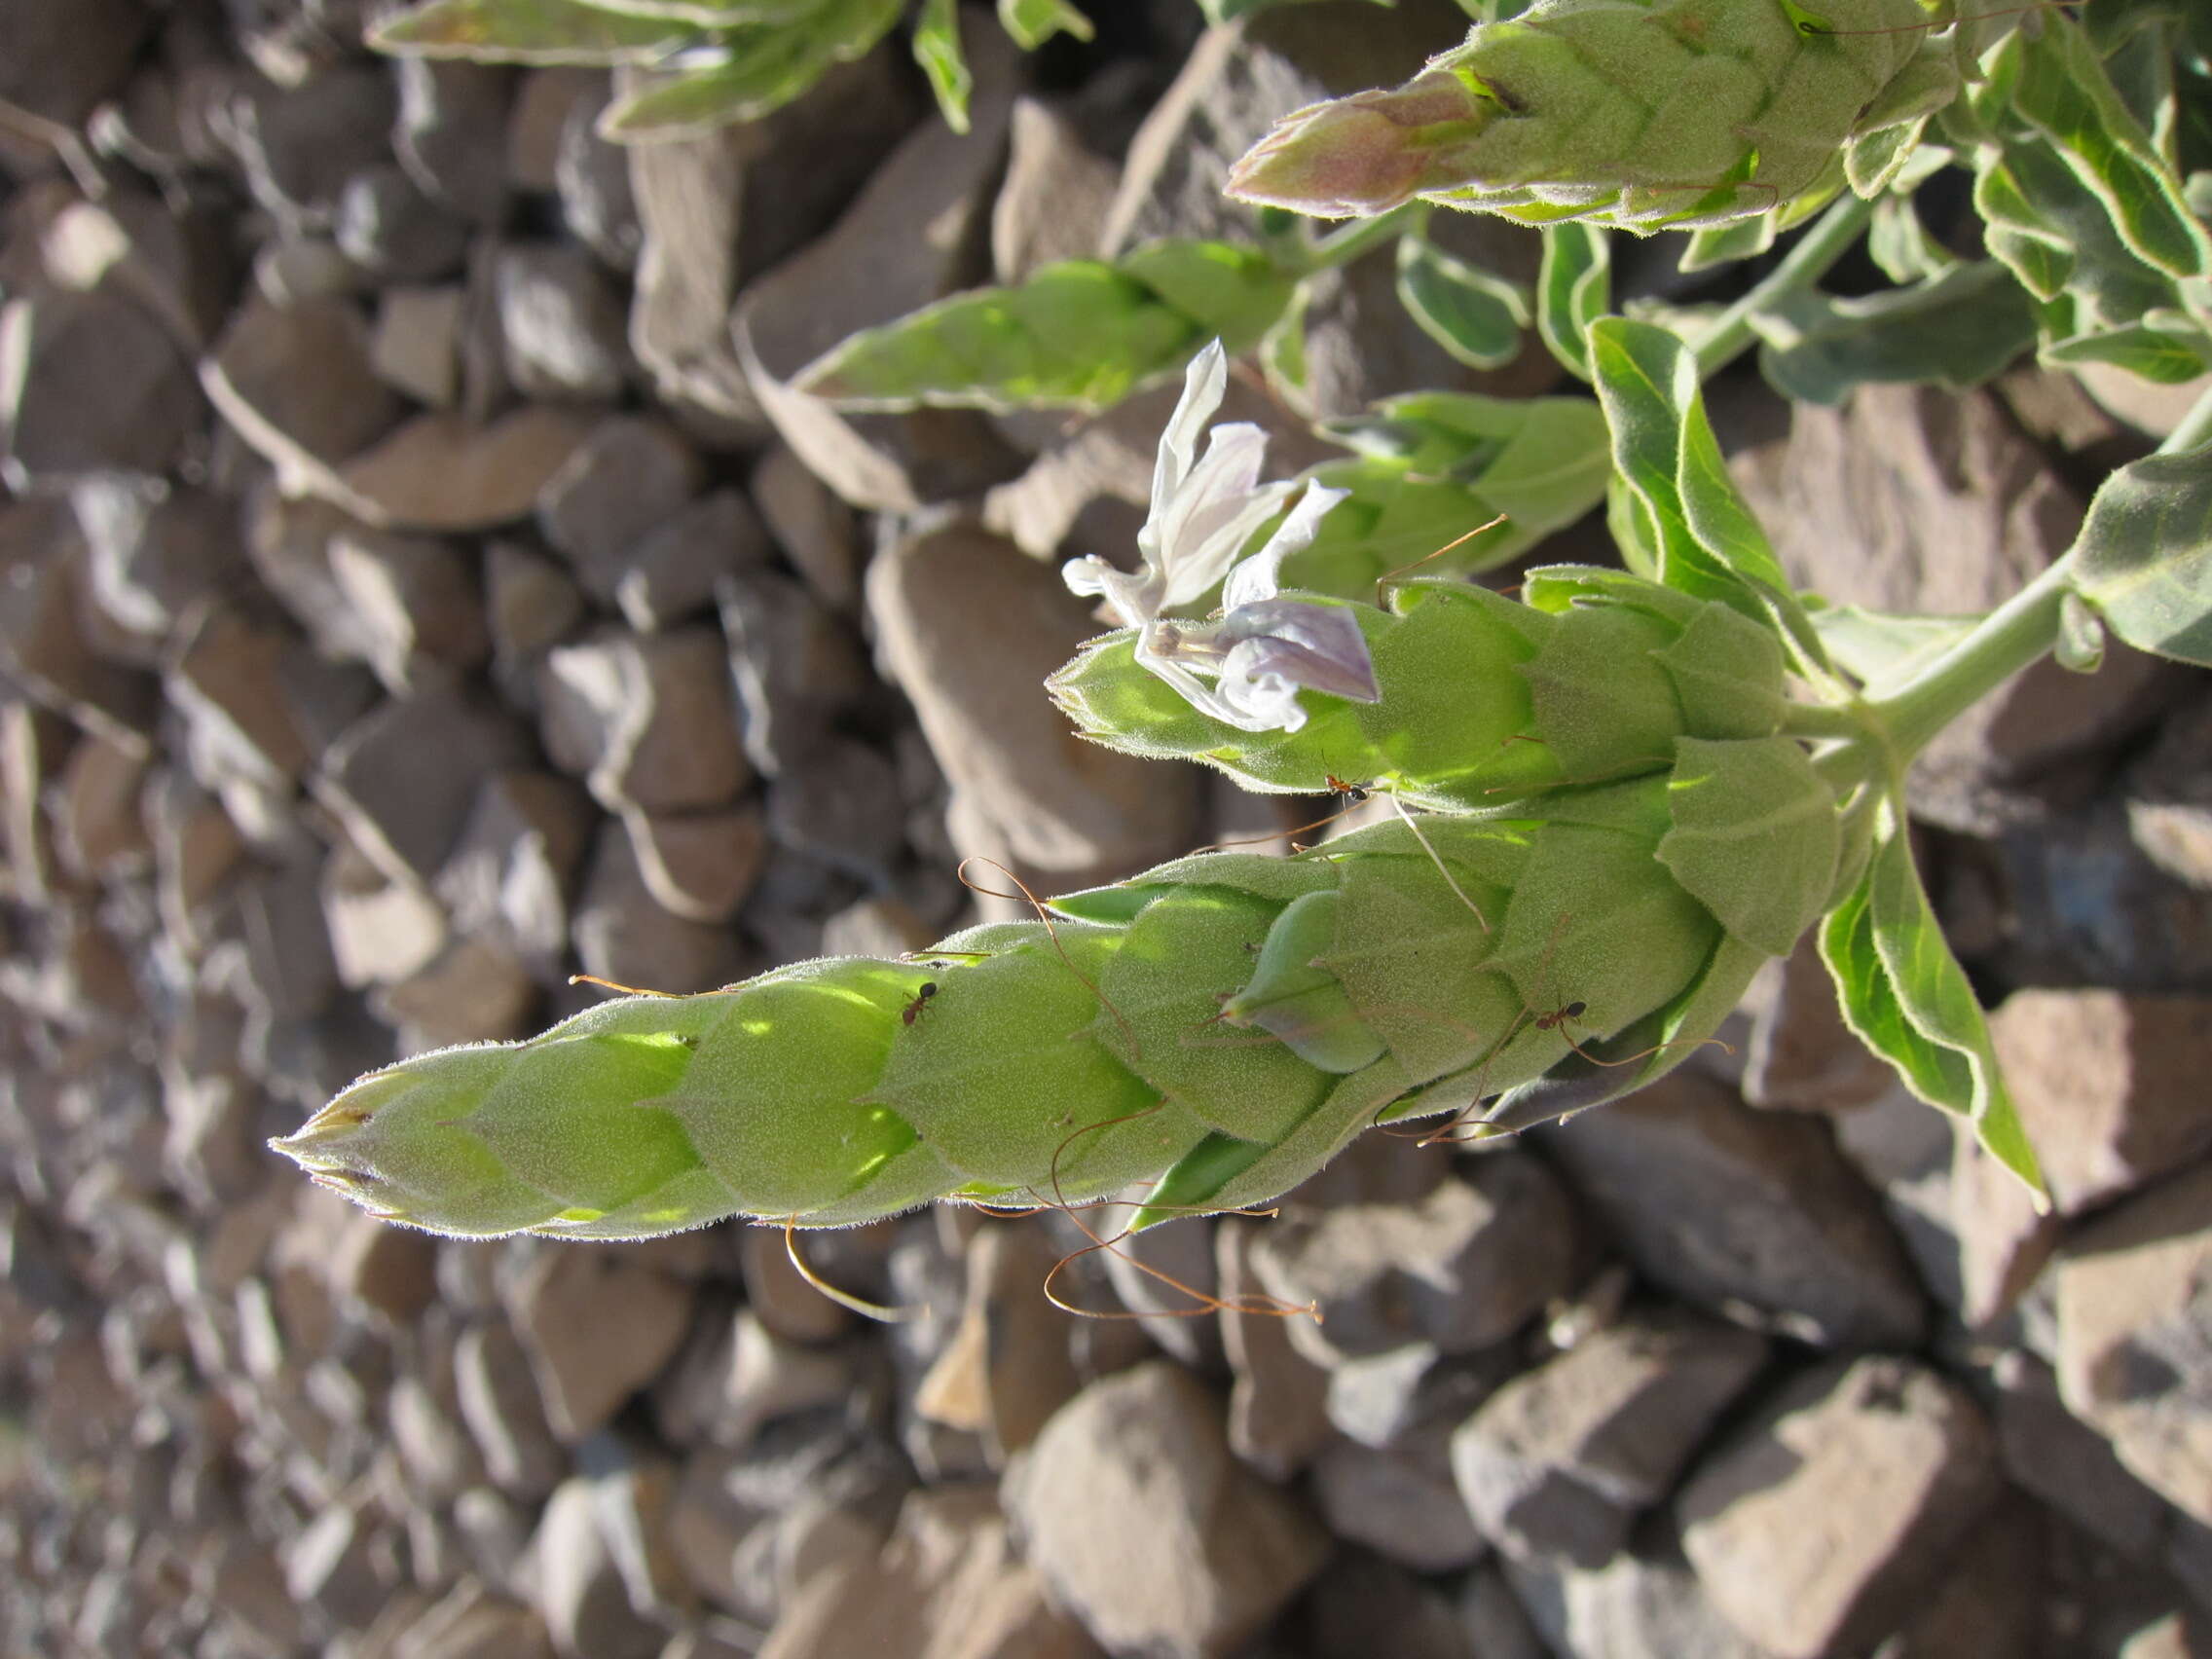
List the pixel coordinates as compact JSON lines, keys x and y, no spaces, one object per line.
{"x":937,"y":48}
{"x":1439,"y":465}
{"x":1033,"y":23}
{"x":1475,"y":316}
{"x":1079,"y":334}
{"x":530,"y":31}
{"x":1674,"y":489}
{"x":1574,"y":290}
{"x":2145,"y":554}
{"x":769,"y":65}
{"x":1957,"y":330}
{"x":1906,"y":997}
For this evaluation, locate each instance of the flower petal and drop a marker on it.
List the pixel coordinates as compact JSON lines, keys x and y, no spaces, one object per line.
{"x":1195,"y":691}
{"x":1259,"y":577}
{"x":1178,"y":534}
{"x":1259,"y":693}
{"x":1204,"y":384}
{"x":1132,"y":598}
{"x":1318,"y":645}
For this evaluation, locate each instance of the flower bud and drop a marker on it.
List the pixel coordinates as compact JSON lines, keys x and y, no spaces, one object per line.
{"x":1631,"y":114}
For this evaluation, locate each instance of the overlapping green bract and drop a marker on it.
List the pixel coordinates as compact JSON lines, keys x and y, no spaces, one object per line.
{"x":1633,"y":114}
{"x":1483,"y":699}
{"x":1218,"y":1027}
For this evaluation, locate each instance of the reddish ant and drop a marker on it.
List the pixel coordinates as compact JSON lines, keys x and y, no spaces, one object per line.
{"x":922,"y":994}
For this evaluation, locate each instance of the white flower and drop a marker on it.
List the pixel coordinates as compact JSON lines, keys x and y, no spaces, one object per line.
{"x":1260,"y":650}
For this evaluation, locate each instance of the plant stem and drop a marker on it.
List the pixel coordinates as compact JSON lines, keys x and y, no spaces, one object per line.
{"x":2195,"y":428}
{"x":1831,"y":237}
{"x":2007,"y":640}
{"x":1341,"y":247}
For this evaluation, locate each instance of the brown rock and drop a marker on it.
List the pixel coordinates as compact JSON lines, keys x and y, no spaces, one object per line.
{"x":673,"y":573}
{"x":948,"y":1585}
{"x":403,"y":778}
{"x":969,"y":628}
{"x":925,"y":200}
{"x":645,"y":718}
{"x":389,"y":1270}
{"x":1055,"y":198}
{"x":1645,"y":1603}
{"x":1398,"y":1503}
{"x":623,"y":934}
{"x":1817,"y":1525}
{"x":1006,"y":1369}
{"x":296,"y":382}
{"x":513,"y":867}
{"x":499,"y":1399}
{"x":579,"y":1589}
{"x":560,"y":323}
{"x":381,"y":929}
{"x":1560,"y":1460}
{"x":1802,"y":1058}
{"x":1461,"y":1267}
{"x":2107,"y":1085}
{"x":699,"y":866}
{"x":1132,"y":1483}
{"x":416,"y":345}
{"x":90,"y":382}
{"x":417,"y":602}
{"x":1277,"y":1404}
{"x":597,"y":1329}
{"x":447,"y":472}
{"x":813,"y":527}
{"x":2135,"y":1307}
{"x":1749,"y":1212}
{"x":474,"y":991}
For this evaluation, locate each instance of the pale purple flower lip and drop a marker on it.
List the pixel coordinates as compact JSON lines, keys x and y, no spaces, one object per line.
{"x":1261,"y":649}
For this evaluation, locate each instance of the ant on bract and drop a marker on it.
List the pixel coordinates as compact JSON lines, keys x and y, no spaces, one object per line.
{"x":922,"y":994}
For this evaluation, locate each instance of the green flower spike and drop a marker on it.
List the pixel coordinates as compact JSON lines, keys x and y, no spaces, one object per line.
{"x":1639,"y":115}
{"x":1216,"y":1029}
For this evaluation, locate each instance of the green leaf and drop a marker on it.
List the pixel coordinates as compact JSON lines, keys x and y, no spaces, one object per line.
{"x":2170,"y":358}
{"x":1574,"y":290}
{"x":2145,"y":554}
{"x":1282,"y":356}
{"x":1906,"y":995}
{"x":1078,"y":334}
{"x":1437,"y":466}
{"x":1724,"y":245}
{"x":1033,"y":23}
{"x":769,"y":67}
{"x":1880,"y":647}
{"x":1674,"y":486}
{"x":2062,"y":88}
{"x":1233,"y":293}
{"x":529,"y":31}
{"x":1229,"y":11}
{"x":1475,"y":316}
{"x":709,"y":15}
{"x":1956,"y":330}
{"x":1899,"y":244}
{"x":937,"y":48}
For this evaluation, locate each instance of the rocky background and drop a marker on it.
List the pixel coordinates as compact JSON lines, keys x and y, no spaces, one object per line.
{"x":420,"y":585}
